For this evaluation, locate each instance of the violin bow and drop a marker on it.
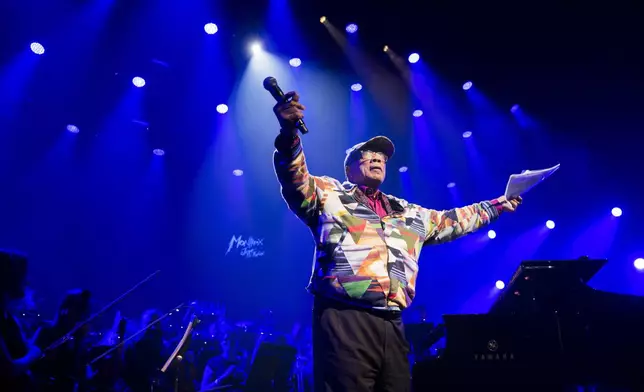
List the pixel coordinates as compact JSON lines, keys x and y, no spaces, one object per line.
{"x":80,"y":325}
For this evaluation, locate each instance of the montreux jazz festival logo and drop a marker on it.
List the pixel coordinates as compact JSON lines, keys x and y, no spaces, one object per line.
{"x":249,"y":248}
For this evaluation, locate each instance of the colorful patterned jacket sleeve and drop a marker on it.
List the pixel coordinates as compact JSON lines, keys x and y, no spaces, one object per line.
{"x":299,"y":188}
{"x":444,"y":226}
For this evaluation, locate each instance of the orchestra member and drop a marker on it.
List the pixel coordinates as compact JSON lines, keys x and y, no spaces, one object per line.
{"x":63,"y":367}
{"x":367,"y":249}
{"x":223,"y":371}
{"x":17,"y":355}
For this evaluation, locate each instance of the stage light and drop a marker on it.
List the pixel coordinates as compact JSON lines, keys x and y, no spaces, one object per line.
{"x":351,"y":28}
{"x":417,"y":113}
{"x":467,"y":85}
{"x":639,"y":263}
{"x":550,"y":224}
{"x":295,"y":62}
{"x":211,"y":28}
{"x":356,"y":87}
{"x":413,"y":58}
{"x":158,"y":152}
{"x":37,"y":48}
{"x":403,"y":169}
{"x":467,"y":134}
{"x":255,"y":47}
{"x":385,"y":49}
{"x":238,"y":172}
{"x":451,"y":185}
{"x":323,"y":19}
{"x":514,"y":108}
{"x":138,"y":81}
{"x":617,"y":212}
{"x":72,"y":128}
{"x":500,"y":285}
{"x":491,"y":234}
{"x":222,"y":108}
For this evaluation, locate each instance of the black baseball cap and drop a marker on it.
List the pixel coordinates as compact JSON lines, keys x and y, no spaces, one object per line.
{"x":376,"y":144}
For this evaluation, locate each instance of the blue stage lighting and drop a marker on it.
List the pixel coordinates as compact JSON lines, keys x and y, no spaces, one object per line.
{"x":514,"y":108}
{"x":467,"y":134}
{"x":550,"y":224}
{"x":639,"y":263}
{"x":138,"y":81}
{"x":491,"y":234}
{"x":403,"y":169}
{"x":356,"y":87}
{"x":211,"y":28}
{"x":295,"y":62}
{"x":255,"y":47}
{"x":414,"y":57}
{"x":352,"y":28}
{"x":37,"y":48}
{"x":417,"y":113}
{"x":467,"y":85}
{"x":158,"y":152}
{"x":222,"y":108}
{"x":500,"y":285}
{"x":617,"y":212}
{"x":451,"y":185}
{"x":238,"y":172}
{"x":72,"y":128}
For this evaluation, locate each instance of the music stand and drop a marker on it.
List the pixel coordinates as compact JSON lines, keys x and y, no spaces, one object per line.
{"x":271,"y":369}
{"x":179,"y":350}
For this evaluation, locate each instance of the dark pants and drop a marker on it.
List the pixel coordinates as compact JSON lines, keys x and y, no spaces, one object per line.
{"x":357,"y":350}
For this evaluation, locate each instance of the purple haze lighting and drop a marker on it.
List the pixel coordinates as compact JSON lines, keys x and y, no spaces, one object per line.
{"x":352,"y":28}
{"x":417,"y":113}
{"x":467,"y":85}
{"x":72,"y":128}
{"x":295,"y":62}
{"x":617,"y":212}
{"x":500,"y":285}
{"x":550,"y":224}
{"x":467,"y":134}
{"x":138,"y":81}
{"x":222,"y":108}
{"x":514,"y":108}
{"x":413,"y":58}
{"x":37,"y":48}
{"x":356,"y":87}
{"x":451,"y":185}
{"x":491,"y":234}
{"x":211,"y":28}
{"x":403,"y":169}
{"x":639,"y":263}
{"x":158,"y":152}
{"x":238,"y":172}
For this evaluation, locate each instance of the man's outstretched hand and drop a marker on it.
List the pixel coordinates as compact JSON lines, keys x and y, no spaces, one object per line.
{"x":510,"y":205}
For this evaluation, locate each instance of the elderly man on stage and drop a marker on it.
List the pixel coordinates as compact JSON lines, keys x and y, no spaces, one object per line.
{"x":366,"y":259}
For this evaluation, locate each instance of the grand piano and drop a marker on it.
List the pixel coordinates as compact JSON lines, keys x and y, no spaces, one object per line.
{"x":547,"y":331}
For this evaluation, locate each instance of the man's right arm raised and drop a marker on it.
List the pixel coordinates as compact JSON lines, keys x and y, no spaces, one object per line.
{"x":299,"y":187}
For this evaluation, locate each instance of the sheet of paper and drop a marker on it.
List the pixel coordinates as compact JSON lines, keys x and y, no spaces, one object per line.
{"x":518,"y":184}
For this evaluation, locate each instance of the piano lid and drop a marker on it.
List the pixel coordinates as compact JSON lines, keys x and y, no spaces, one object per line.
{"x":545,"y":285}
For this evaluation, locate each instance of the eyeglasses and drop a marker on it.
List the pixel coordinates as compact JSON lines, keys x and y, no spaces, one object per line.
{"x":370,"y":155}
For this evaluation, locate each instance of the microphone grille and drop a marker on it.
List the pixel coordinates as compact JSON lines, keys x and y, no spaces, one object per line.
{"x":270,"y":82}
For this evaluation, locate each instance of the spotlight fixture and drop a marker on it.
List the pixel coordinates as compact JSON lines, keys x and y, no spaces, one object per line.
{"x":514,"y":108}
{"x":639,"y":263}
{"x":222,"y":108}
{"x":385,"y":49}
{"x":467,"y":134}
{"x":72,"y":128}
{"x":238,"y":172}
{"x":550,"y":224}
{"x":356,"y":87}
{"x":617,"y":212}
{"x":351,"y":28}
{"x":413,"y":58}
{"x":451,"y":185}
{"x":158,"y":152}
{"x":467,"y":85}
{"x":295,"y":62}
{"x":210,"y":28}
{"x":491,"y":234}
{"x":417,"y":113}
{"x":138,"y":81}
{"x":500,"y":285}
{"x":255,"y":47}
{"x":403,"y":169}
{"x":37,"y":48}
{"x":323,"y":19}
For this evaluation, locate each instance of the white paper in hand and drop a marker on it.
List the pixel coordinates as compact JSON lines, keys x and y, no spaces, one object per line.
{"x":518,"y":184}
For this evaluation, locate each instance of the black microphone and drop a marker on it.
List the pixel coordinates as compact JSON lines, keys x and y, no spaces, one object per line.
{"x":270,"y":84}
